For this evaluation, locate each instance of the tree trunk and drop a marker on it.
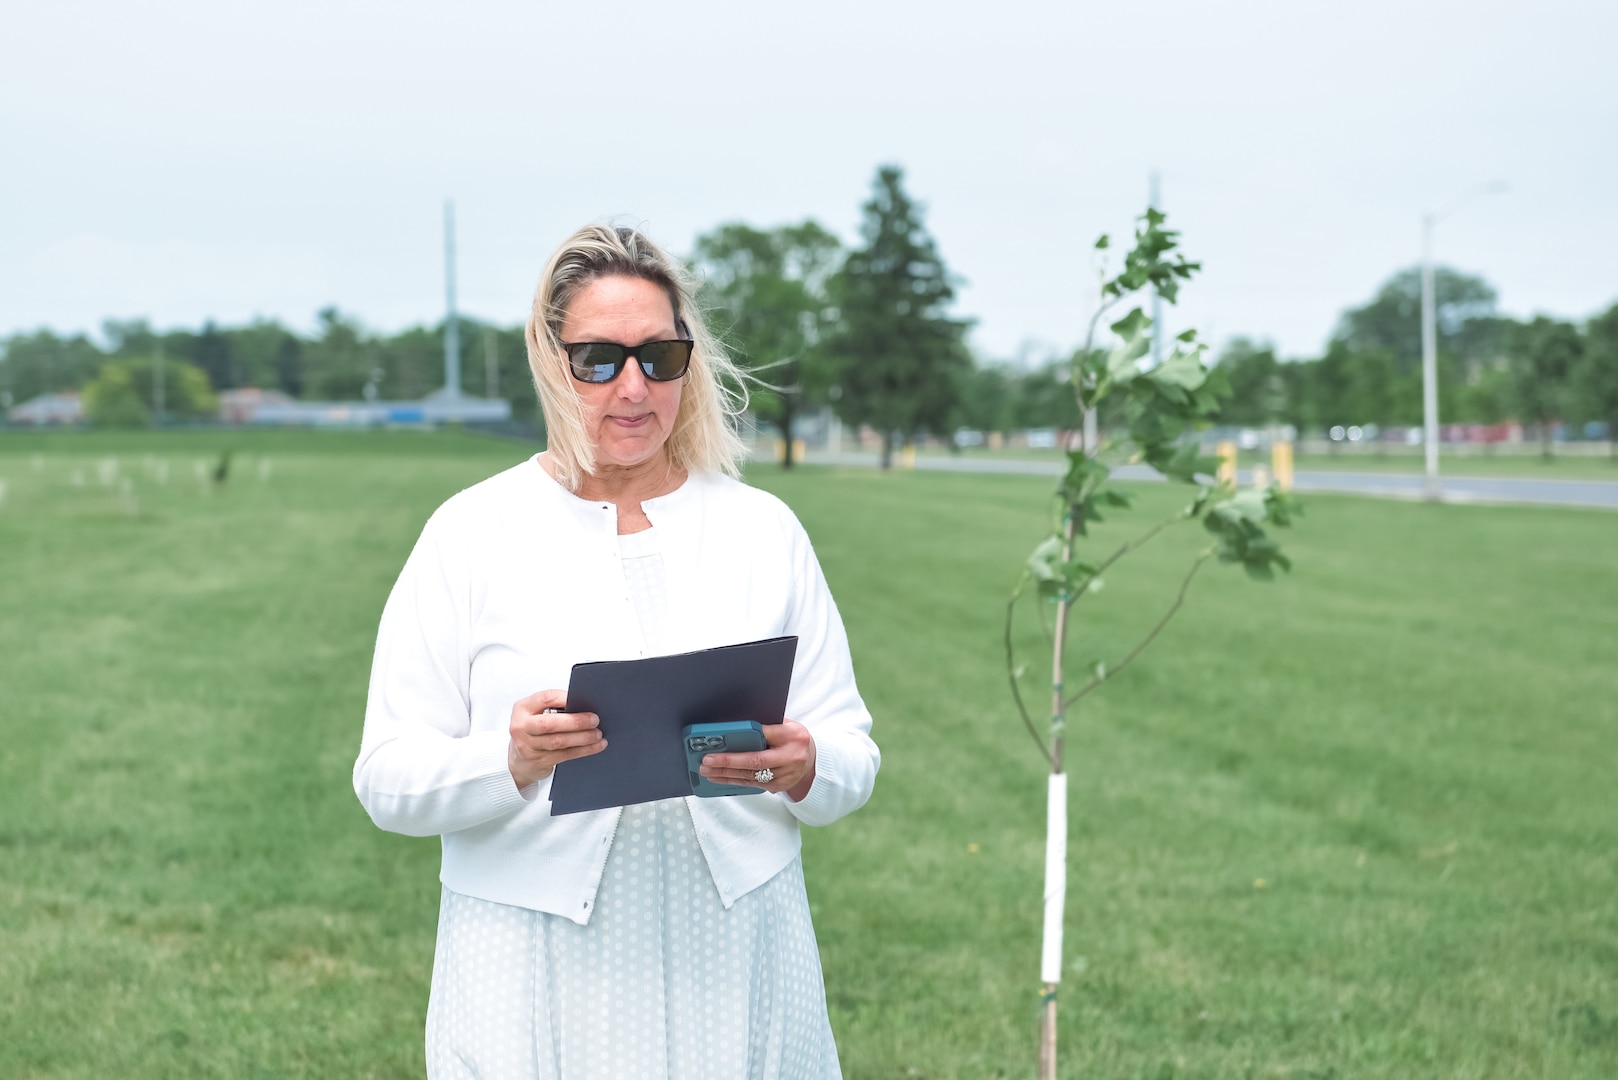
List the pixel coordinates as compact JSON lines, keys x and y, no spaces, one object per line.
{"x":887,"y":449}
{"x":786,"y":431}
{"x":1545,"y":440}
{"x":1050,"y":964}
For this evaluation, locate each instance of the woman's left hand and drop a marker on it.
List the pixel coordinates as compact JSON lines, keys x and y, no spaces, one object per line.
{"x":790,"y":756}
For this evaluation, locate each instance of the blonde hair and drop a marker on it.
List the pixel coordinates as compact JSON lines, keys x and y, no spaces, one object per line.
{"x":715,"y":392}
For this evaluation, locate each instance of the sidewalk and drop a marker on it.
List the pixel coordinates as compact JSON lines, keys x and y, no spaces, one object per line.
{"x":1601,"y":494}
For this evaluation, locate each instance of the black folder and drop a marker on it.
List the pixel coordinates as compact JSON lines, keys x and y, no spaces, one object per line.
{"x":643,"y":704}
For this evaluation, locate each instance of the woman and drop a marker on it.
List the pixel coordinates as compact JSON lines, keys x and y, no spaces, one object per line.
{"x":665,"y":939}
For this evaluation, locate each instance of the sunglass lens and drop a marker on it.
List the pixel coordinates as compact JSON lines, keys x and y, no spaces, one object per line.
{"x":665,"y":360}
{"x":597,"y":362}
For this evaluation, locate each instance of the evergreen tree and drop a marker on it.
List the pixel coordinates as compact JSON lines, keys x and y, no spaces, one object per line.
{"x":896,"y":357}
{"x":212,"y":353}
{"x":339,"y":363}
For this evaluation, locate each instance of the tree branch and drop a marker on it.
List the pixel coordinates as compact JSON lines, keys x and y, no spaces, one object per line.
{"x":1138,"y":542}
{"x":1095,"y":320}
{"x":1064,"y":607}
{"x":1078,"y":383}
{"x":1097,"y":680}
{"x":1016,"y":691}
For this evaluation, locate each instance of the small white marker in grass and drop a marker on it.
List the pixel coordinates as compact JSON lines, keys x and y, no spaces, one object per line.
{"x":107,"y":471}
{"x":264,"y":469}
{"x":2,"y":493}
{"x":39,"y":464}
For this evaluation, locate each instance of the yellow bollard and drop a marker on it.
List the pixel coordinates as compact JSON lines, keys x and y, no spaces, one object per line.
{"x":797,"y":449}
{"x":1281,"y":461}
{"x":1226,"y":452}
{"x":907,"y":456}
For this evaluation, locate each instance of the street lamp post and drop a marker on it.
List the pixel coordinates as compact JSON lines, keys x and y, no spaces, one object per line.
{"x":1429,"y":333}
{"x":1429,"y":360}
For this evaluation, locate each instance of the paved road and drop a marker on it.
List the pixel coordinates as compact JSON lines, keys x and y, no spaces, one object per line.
{"x":1602,"y":494}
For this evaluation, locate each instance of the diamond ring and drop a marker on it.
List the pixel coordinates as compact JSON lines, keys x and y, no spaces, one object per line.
{"x":764,"y":776}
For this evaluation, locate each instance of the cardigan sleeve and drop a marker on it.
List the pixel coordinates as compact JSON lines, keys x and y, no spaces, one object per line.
{"x":824,"y":697}
{"x":421,"y":770}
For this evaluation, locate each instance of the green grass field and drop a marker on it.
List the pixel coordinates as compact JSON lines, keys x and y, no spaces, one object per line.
{"x":1357,"y":823}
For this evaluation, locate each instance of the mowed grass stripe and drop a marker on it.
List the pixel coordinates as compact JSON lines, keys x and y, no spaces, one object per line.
{"x":1410,"y":740}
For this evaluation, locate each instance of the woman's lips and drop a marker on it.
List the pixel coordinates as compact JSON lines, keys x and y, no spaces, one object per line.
{"x":632,"y":421}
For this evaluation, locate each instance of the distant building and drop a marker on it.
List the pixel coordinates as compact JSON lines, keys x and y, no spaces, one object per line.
{"x":242,"y":406}
{"x":49,"y":409}
{"x":436,"y":408}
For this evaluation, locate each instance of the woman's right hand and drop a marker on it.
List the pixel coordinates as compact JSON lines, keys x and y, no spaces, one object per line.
{"x":540,"y":739}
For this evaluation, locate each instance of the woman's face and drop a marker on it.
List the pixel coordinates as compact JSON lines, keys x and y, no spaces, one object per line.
{"x":630,"y":418}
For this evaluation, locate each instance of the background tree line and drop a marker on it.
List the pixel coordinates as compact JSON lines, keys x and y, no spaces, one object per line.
{"x":340,"y":361}
{"x":1491,"y":368}
{"x":869,"y":331}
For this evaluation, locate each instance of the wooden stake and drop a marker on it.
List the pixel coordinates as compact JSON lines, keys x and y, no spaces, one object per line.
{"x":1047,"y":1035}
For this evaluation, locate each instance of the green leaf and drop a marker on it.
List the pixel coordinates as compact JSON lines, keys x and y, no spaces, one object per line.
{"x":1057,"y":578}
{"x":1103,"y":242}
{"x":1085,"y":475}
{"x":1180,"y":368}
{"x":1248,"y":504}
{"x":1279,"y":507}
{"x":1132,"y":325}
{"x":1043,"y":562}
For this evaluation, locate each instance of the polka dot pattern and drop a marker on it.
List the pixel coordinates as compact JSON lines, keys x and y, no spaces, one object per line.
{"x":663,"y":982}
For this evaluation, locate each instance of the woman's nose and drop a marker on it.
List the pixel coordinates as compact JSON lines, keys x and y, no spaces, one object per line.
{"x":632,"y":383}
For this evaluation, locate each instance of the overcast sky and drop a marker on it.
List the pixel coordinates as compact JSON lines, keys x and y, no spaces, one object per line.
{"x":183,"y":161}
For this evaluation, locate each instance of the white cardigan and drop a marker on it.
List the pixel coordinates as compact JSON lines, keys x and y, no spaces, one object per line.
{"x":515,"y":580}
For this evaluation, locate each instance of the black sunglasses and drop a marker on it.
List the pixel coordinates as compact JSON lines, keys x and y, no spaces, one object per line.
{"x":604,"y":361}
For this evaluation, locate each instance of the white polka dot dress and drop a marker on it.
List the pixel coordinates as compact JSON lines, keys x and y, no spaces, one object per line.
{"x":663,"y":982}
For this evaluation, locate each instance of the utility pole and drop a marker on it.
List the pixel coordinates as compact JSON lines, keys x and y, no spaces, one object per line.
{"x":1431,"y":490}
{"x":452,"y":330}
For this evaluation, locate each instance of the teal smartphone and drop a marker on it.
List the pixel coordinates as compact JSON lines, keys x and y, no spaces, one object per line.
{"x":731,"y":737}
